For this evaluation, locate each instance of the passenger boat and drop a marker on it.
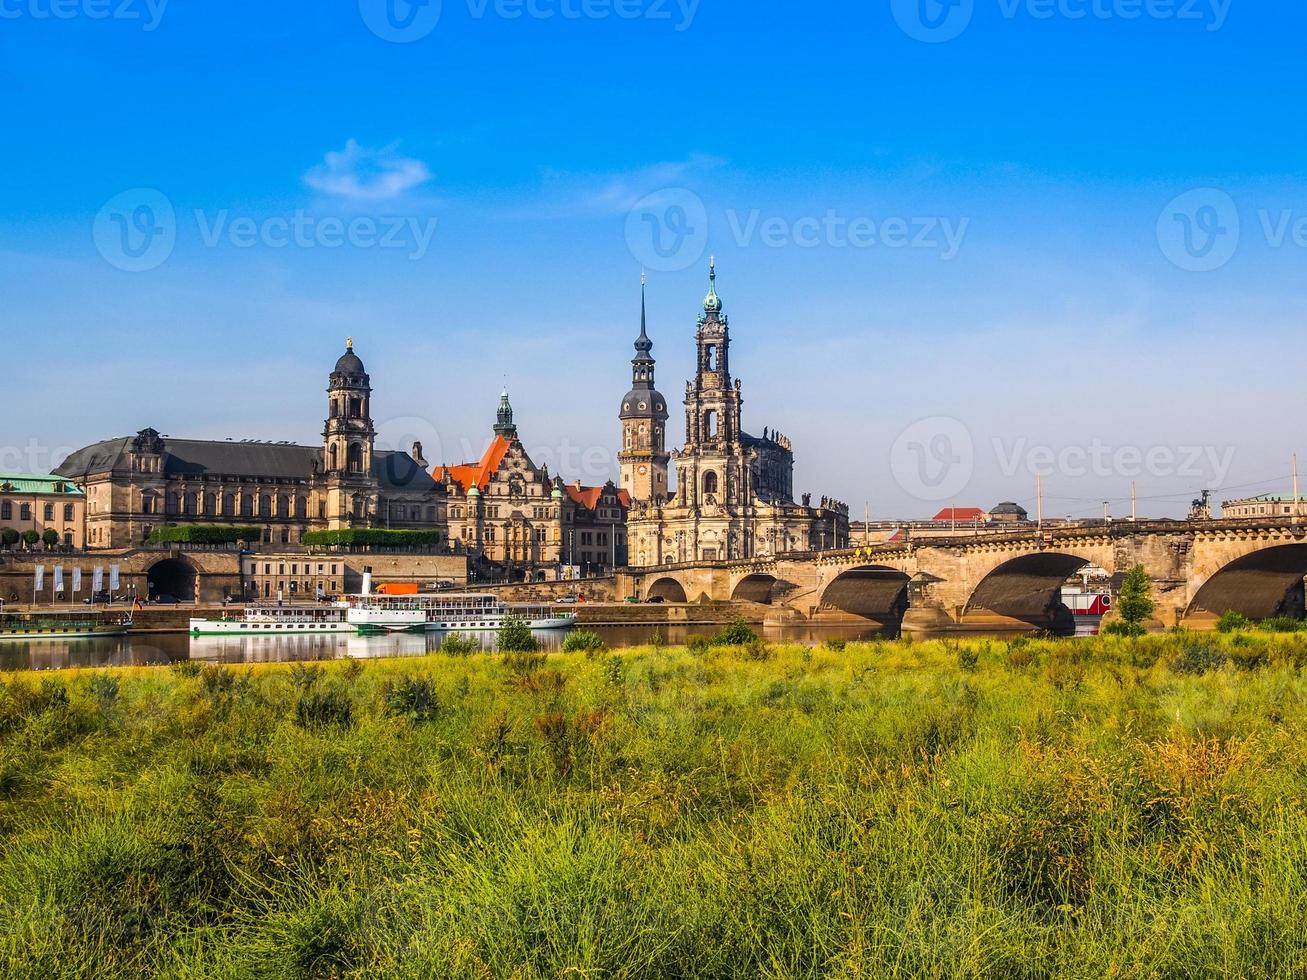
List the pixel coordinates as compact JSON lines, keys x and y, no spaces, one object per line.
{"x":449,"y":612}
{"x":61,"y":626}
{"x":265,"y":619}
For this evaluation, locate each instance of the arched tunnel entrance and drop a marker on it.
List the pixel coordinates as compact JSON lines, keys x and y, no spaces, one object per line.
{"x":875,"y":593}
{"x":1029,"y":589}
{"x":669,"y":590}
{"x":756,"y":588}
{"x":1262,"y":585}
{"x":172,"y":578}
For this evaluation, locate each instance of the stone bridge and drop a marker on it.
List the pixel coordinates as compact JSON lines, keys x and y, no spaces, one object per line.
{"x":1010,"y":579}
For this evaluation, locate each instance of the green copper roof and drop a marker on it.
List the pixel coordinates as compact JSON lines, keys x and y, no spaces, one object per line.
{"x":26,"y":483}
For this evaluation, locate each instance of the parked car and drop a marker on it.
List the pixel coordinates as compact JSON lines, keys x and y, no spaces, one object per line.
{"x":633,"y":600}
{"x":568,"y":600}
{"x":165,"y":600}
{"x":655,"y":600}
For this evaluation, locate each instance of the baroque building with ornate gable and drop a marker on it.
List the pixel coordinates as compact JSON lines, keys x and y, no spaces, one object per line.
{"x":734,"y":493}
{"x":525,"y":524}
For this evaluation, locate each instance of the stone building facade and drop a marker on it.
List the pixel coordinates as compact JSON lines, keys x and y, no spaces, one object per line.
{"x":41,"y":504}
{"x":138,"y":483}
{"x":530,"y":525}
{"x":734,"y":495}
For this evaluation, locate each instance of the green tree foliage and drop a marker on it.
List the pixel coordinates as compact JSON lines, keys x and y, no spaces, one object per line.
{"x":9,"y":537}
{"x":204,"y":534}
{"x":30,"y":538}
{"x":49,"y":537}
{"x":1135,"y":603}
{"x":515,"y":636}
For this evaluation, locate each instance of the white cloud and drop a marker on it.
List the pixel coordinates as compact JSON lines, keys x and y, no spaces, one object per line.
{"x":358,"y":173}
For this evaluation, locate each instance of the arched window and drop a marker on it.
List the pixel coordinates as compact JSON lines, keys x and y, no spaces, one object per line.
{"x":247,"y":504}
{"x":301,"y":507}
{"x":332,"y":462}
{"x":228,"y":505}
{"x":355,"y":462}
{"x":710,"y":482}
{"x":710,"y":358}
{"x":283,"y":506}
{"x":710,"y":424}
{"x":68,"y":512}
{"x":210,"y":502}
{"x":265,"y":505}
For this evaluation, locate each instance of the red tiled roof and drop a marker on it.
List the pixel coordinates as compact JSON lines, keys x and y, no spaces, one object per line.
{"x":589,"y":497}
{"x":961,"y":514}
{"x":469,"y":475}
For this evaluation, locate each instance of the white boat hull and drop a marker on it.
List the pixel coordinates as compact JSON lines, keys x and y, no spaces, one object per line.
{"x":223,"y":627}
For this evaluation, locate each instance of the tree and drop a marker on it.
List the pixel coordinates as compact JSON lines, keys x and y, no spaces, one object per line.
{"x":9,"y":537}
{"x":515,"y":636}
{"x":30,"y":538}
{"x":1135,"y":603}
{"x":50,"y":537}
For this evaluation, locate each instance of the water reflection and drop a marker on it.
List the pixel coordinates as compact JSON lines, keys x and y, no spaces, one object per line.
{"x":151,"y":650}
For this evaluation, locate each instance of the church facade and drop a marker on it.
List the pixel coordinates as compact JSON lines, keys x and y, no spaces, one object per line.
{"x":734,"y":493}
{"x":138,"y":483}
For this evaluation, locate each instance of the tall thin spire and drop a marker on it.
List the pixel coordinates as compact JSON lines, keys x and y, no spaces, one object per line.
{"x":644,"y":281}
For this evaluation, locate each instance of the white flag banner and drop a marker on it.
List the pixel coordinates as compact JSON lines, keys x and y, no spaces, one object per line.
{"x":58,"y":578}
{"x":113,"y":578}
{"x":40,"y":578}
{"x":97,"y":579}
{"x":77,"y":580}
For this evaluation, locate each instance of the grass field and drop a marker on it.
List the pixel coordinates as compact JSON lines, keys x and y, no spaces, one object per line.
{"x":1104,"y":808}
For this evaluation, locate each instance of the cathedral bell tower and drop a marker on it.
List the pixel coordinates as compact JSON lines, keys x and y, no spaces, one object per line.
{"x":709,"y":469}
{"x":348,"y":443}
{"x":643,"y":459}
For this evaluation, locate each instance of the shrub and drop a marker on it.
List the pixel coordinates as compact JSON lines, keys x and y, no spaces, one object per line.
{"x":583,"y":641}
{"x":30,"y":538}
{"x":1135,"y":604}
{"x":9,"y":537}
{"x":968,"y":658}
{"x":104,"y":688}
{"x":699,"y":643}
{"x":324,"y":709}
{"x":835,"y":646}
{"x":1198,"y":657}
{"x":205,"y":534}
{"x":515,"y":636}
{"x":458,"y":645}
{"x":1249,"y":657}
{"x":1123,"y":629}
{"x":49,"y":537}
{"x":1231,"y":621}
{"x":305,"y":677}
{"x":738,"y":634}
{"x":187,"y":668}
{"x":1284,"y":624}
{"x":756,"y":650}
{"x":411,"y":697}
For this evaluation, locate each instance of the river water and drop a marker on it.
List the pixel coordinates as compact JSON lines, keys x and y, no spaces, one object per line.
{"x":161,"y":649}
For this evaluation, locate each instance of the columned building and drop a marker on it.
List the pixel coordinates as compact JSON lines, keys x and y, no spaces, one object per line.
{"x":734,"y":494}
{"x":136,"y":484}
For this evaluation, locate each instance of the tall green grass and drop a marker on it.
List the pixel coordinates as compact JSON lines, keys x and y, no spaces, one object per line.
{"x":1026,"y":809}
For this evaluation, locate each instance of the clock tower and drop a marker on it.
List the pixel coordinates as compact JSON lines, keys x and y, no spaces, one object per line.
{"x":644,"y":459}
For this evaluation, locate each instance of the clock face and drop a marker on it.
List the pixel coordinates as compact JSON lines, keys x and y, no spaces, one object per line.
{"x":643,"y":406}
{"x":644,"y":470}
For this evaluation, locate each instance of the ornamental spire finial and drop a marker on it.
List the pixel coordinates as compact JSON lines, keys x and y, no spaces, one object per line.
{"x":712,"y":303}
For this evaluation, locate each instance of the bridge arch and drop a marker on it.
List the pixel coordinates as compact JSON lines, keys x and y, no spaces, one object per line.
{"x":1259,"y":585}
{"x":757,"y":588}
{"x":872,"y":592}
{"x":173,"y":577}
{"x":1028,"y":588}
{"x":668,"y":589}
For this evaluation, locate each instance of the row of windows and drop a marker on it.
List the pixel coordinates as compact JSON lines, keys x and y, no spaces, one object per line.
{"x":25,"y":511}
{"x":294,"y":568}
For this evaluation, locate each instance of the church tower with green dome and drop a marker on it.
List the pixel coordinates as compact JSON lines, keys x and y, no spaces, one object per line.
{"x":643,"y":459}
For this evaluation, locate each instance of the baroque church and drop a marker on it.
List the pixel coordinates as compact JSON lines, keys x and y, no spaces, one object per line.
{"x":137,"y":483}
{"x":734,"y":493}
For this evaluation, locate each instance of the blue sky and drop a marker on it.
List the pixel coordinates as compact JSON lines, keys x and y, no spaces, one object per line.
{"x":950,"y":263}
